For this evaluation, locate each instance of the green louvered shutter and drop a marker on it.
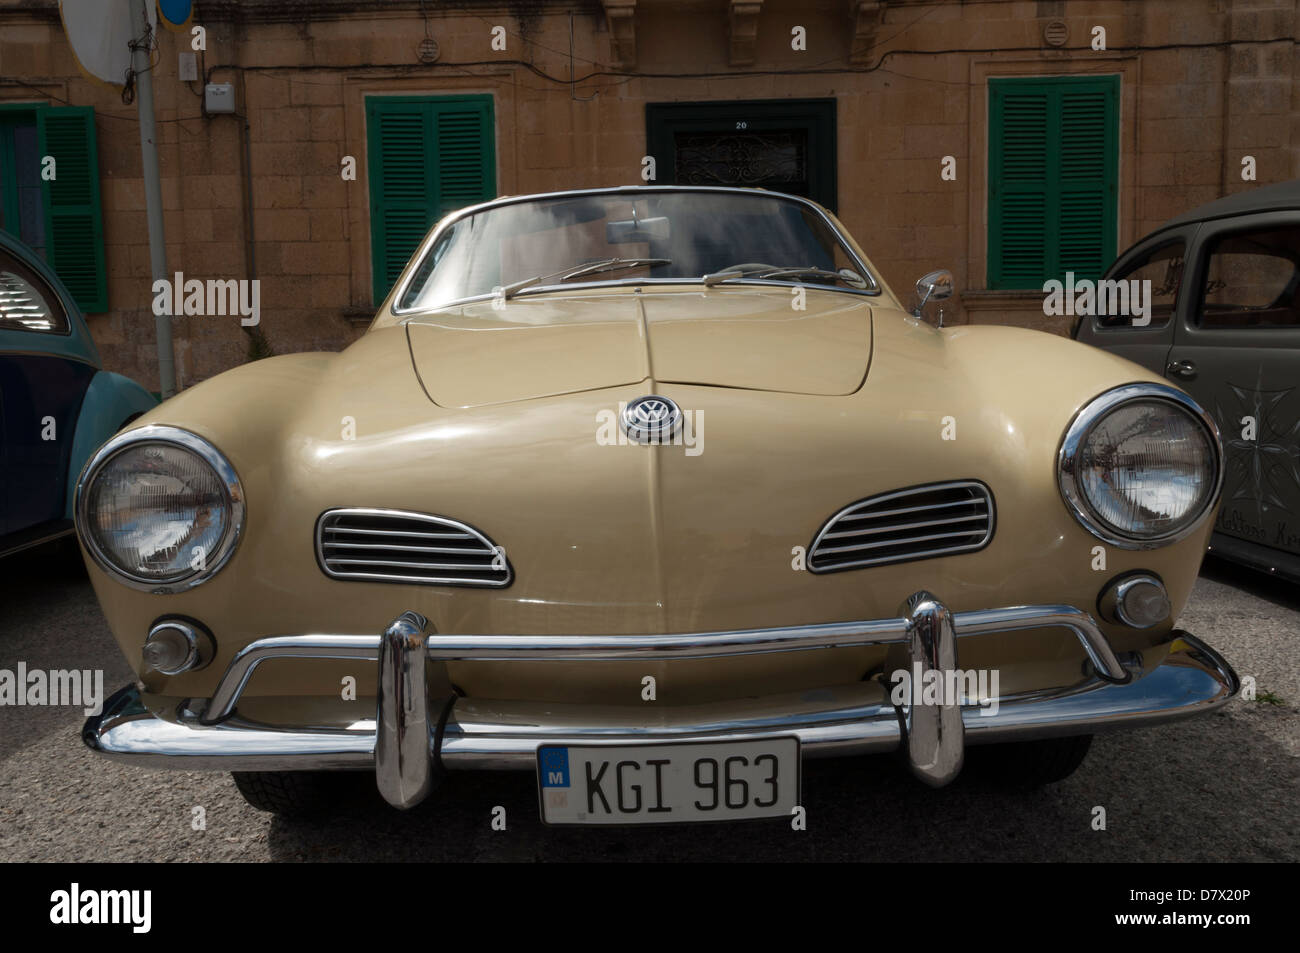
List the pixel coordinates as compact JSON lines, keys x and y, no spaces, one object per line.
{"x":1018,"y":189}
{"x":428,"y":155}
{"x":74,"y":223}
{"x":1053,"y":178}
{"x":1087,"y":176}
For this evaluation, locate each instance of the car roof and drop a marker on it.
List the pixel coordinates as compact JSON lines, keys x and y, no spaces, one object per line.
{"x":1266,"y":198}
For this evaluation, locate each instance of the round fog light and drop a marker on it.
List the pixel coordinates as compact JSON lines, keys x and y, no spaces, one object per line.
{"x":173,"y":647}
{"x":1136,"y":601}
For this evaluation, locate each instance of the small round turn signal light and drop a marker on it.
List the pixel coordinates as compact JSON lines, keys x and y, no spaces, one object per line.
{"x":174,"y":646}
{"x":1138,"y":601}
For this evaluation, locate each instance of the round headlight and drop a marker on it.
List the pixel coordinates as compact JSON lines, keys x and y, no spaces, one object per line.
{"x":159,"y":508}
{"x":1140,"y":466}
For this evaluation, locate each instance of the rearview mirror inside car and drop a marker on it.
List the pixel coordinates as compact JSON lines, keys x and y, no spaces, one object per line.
{"x":637,"y":230}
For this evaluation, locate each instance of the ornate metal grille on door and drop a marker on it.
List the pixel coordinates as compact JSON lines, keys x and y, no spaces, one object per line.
{"x":774,"y":159}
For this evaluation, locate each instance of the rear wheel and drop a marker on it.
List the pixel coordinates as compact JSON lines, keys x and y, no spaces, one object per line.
{"x":295,"y":793}
{"x":1031,"y":764}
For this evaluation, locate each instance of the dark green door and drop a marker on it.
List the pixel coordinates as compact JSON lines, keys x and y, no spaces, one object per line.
{"x":785,"y":145}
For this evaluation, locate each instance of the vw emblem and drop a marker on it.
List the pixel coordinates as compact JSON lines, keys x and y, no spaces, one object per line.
{"x":651,"y":419}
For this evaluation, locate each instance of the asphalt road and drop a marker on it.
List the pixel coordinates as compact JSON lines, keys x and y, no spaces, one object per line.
{"x":1222,"y":787}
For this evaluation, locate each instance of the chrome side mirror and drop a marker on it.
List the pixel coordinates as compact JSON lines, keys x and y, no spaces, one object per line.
{"x":935,"y":286}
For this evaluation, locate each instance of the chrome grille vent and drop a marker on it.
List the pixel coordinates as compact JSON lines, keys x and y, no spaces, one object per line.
{"x":397,"y":546}
{"x":939,"y":519}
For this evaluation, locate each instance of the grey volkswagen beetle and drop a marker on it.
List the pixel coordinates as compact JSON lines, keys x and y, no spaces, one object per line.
{"x":1224,"y":325}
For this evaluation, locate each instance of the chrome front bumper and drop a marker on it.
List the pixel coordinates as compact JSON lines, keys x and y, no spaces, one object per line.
{"x":421,"y":724}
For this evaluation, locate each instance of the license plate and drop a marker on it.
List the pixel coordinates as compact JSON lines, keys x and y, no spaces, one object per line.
{"x":668,"y":783}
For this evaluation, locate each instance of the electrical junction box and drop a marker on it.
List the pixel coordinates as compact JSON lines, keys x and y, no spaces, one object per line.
{"x":219,"y":98}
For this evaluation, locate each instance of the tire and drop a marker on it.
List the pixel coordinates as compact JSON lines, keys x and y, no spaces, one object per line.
{"x":294,"y":794}
{"x":1025,"y":765}
{"x":67,"y":556}
{"x":58,"y":559}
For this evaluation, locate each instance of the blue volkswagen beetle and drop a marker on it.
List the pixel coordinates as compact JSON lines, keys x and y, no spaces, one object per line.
{"x":57,"y":403}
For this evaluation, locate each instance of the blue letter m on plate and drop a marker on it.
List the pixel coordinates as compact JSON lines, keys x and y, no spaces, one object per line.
{"x":555,"y":767}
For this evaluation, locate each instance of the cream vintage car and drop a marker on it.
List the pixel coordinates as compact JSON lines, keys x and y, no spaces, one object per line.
{"x":655,"y":492}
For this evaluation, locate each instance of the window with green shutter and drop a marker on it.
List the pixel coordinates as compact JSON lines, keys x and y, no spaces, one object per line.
{"x":59,"y":216}
{"x":1053,"y":178}
{"x":427,"y":156}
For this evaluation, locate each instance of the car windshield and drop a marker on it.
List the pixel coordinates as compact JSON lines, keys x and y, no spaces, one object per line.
{"x":523,"y":247}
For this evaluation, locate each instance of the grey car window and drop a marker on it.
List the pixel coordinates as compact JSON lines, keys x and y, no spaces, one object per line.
{"x":1163,"y":267}
{"x":1252,"y":280}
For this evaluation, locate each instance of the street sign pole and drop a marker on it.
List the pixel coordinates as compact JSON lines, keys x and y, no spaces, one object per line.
{"x":152,"y":192}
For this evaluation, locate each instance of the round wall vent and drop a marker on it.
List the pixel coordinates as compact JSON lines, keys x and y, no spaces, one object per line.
{"x":1056,"y":33}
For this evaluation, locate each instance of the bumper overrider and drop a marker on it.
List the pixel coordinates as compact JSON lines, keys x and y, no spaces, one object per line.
{"x":421,"y":725}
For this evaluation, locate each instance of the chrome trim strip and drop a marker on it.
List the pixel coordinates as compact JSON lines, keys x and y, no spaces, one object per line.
{"x":448,"y":647}
{"x":923,"y":524}
{"x":209,"y":454}
{"x":1082,"y":425}
{"x":905,"y":541}
{"x":694,"y":645}
{"x":1104,"y":661}
{"x":349,"y":561}
{"x":489,"y":551}
{"x":690,"y":285}
{"x":357,"y":530}
{"x":413,"y":266}
{"x":397,"y":547}
{"x":1192,"y":679}
{"x":847,"y":515}
{"x":903,"y":509}
{"x":247,"y":659}
{"x":859,"y":730}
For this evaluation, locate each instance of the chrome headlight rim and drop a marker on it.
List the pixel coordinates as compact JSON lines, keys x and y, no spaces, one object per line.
{"x":1081,"y":428}
{"x":163,"y":435}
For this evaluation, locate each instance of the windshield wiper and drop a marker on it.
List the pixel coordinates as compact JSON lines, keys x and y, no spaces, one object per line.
{"x":578,"y":271}
{"x":718,"y":277}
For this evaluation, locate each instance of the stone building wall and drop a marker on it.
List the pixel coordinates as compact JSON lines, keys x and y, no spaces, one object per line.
{"x":1204,"y":83}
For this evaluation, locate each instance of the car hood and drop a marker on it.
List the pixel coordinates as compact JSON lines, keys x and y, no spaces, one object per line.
{"x":753,"y":338}
{"x":613,"y":537}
